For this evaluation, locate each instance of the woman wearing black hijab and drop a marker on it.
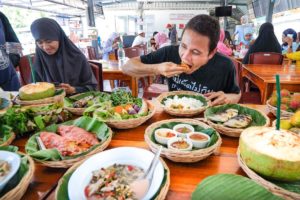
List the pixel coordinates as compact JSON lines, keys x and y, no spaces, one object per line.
{"x":58,"y":60}
{"x":265,"y":42}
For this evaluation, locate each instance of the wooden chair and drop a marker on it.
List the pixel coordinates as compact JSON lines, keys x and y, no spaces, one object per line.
{"x":97,"y":71}
{"x":91,"y":53}
{"x":25,"y":70}
{"x":266,"y":58}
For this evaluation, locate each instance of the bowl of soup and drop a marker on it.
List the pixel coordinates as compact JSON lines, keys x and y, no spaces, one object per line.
{"x":199,"y":139}
{"x":183,"y":130}
{"x":162,"y":135}
{"x":181,"y":144}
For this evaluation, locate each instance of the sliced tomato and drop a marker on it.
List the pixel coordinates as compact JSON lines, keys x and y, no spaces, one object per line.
{"x":86,"y":191}
{"x":130,"y":167}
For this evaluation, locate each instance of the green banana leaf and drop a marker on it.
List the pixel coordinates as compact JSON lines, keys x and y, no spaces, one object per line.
{"x":257,"y":118}
{"x":89,"y":124}
{"x":4,"y":103}
{"x":200,"y":98}
{"x":20,"y":173}
{"x":231,"y":187}
{"x":5,"y":133}
{"x":209,"y":131}
{"x":63,"y":188}
{"x":289,"y":186}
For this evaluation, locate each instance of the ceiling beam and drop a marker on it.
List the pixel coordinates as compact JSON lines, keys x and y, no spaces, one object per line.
{"x":64,"y":4}
{"x":39,"y":9}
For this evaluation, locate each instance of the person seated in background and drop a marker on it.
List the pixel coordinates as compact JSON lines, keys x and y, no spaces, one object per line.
{"x":58,"y":60}
{"x":228,"y":40}
{"x":265,"y":42}
{"x":11,"y":37}
{"x":289,"y":37}
{"x":222,"y":47}
{"x":248,"y":39}
{"x":139,"y":39}
{"x":195,"y":65}
{"x":110,"y":45}
{"x":9,"y":80}
{"x":161,"y":40}
{"x":240,"y":30}
{"x":152,"y":41}
{"x":294,"y":56}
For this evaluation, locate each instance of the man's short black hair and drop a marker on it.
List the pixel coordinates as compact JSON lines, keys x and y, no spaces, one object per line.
{"x":207,"y":26}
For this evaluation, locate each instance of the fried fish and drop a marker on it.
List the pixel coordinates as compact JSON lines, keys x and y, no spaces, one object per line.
{"x":224,"y":115}
{"x":239,"y":121}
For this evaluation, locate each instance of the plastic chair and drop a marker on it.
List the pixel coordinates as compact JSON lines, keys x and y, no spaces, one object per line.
{"x":25,"y":70}
{"x":134,"y":52}
{"x":266,"y":58}
{"x":92,"y":53}
{"x":97,"y":71}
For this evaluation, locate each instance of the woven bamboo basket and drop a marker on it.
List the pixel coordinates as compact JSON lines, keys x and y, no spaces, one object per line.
{"x":279,"y":191}
{"x":21,"y":188}
{"x":182,"y":113}
{"x":233,"y":132}
{"x":283,"y":113}
{"x":9,"y":141}
{"x":161,"y":196}
{"x":177,"y":155}
{"x":70,"y":162}
{"x":132,"y":123}
{"x":55,"y":99}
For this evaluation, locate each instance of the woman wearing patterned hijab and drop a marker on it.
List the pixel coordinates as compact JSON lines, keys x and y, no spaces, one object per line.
{"x":265,"y":42}
{"x":58,"y":60}
{"x":8,"y":77}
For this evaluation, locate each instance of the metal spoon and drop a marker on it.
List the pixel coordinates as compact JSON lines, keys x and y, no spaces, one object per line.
{"x":141,"y":186}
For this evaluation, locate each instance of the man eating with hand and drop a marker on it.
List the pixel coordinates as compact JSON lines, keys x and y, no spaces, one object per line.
{"x":194,"y":65}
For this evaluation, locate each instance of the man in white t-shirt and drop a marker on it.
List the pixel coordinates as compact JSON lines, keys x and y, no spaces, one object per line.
{"x":139,"y":39}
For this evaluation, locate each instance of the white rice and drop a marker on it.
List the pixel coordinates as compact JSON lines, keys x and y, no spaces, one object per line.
{"x":187,"y":103}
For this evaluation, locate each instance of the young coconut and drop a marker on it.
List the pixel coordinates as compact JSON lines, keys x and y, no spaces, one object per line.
{"x":271,"y":153}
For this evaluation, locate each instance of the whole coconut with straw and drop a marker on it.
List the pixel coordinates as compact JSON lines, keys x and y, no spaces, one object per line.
{"x":274,"y":154}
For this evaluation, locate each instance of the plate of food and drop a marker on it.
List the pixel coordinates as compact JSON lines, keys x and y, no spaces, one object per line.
{"x":4,"y":105}
{"x":123,"y":165}
{"x":9,"y":165}
{"x":121,"y":110}
{"x":290,"y":103}
{"x":62,"y":145}
{"x":23,"y":166}
{"x":271,"y":158}
{"x":39,"y":93}
{"x":183,"y":103}
{"x":183,"y":140}
{"x":232,"y":119}
{"x":77,"y":104}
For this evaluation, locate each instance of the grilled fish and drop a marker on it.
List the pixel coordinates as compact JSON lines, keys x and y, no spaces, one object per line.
{"x":239,"y":121}
{"x":224,"y":116}
{"x":82,"y":102}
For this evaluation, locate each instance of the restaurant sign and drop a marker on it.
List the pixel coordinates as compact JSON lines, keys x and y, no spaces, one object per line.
{"x":181,"y":16}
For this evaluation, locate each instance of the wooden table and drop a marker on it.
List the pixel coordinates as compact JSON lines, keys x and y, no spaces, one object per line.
{"x":112,"y":71}
{"x":184,"y":177}
{"x":263,"y":76}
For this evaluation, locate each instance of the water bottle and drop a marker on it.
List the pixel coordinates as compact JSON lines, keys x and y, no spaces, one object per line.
{"x":121,"y":54}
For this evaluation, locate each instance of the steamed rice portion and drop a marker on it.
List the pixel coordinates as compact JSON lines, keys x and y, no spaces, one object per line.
{"x":183,"y":103}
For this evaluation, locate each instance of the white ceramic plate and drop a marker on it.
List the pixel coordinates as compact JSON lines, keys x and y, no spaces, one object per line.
{"x":14,"y":162}
{"x":122,"y":155}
